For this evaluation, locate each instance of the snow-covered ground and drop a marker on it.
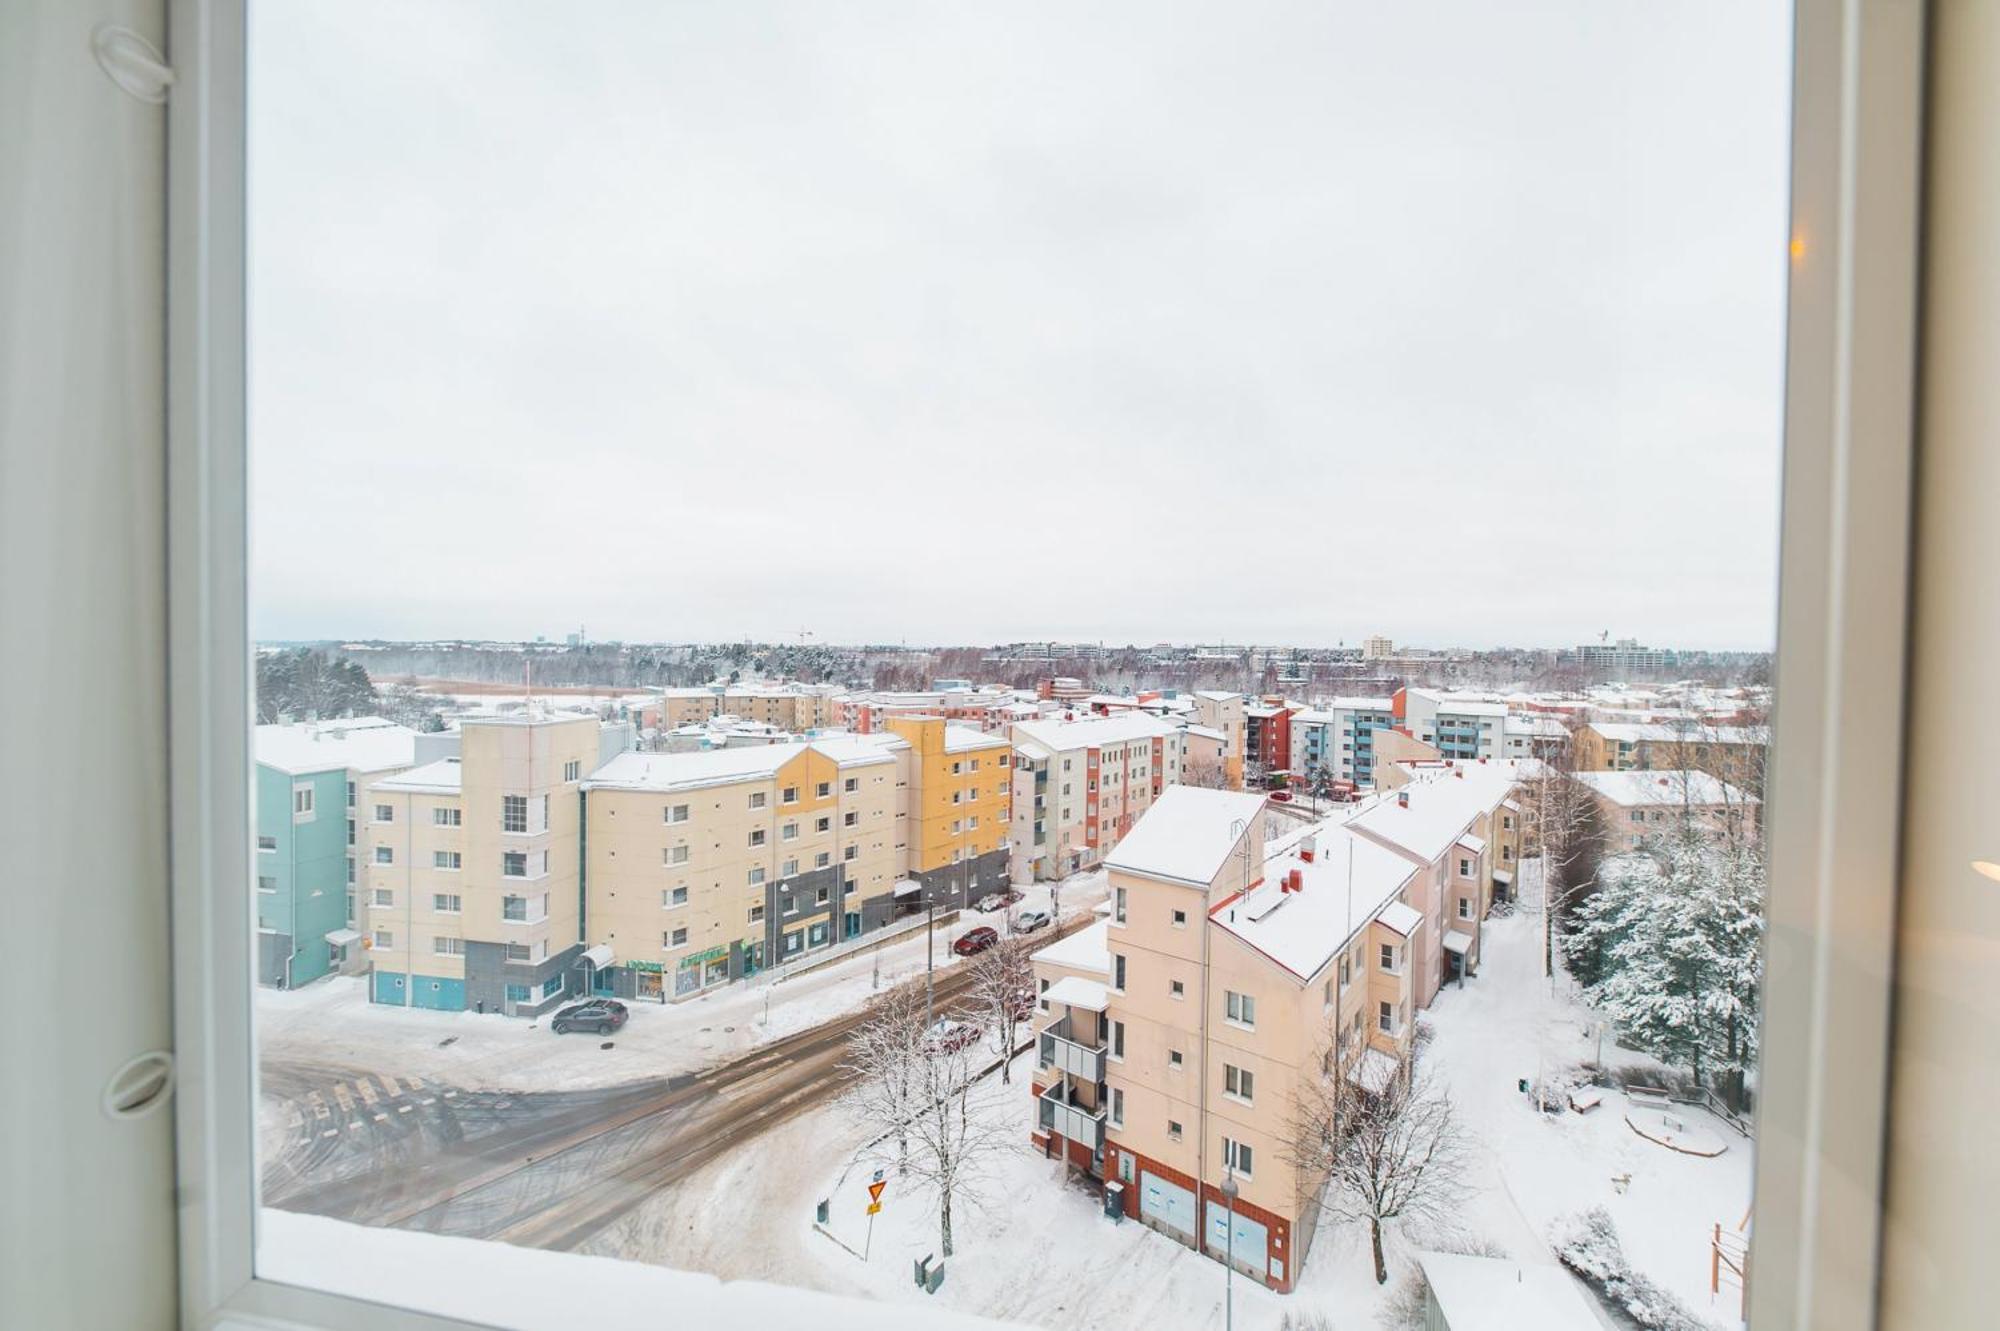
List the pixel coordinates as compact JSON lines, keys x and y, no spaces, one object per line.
{"x":1040,"y":1253}
{"x":332,"y":1022}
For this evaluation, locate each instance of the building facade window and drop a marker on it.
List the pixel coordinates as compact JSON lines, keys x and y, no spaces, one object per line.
{"x":445,"y":859}
{"x":513,"y":813}
{"x":1239,"y":1082}
{"x":1239,"y":1008}
{"x":445,"y":903}
{"x":1237,"y":1156}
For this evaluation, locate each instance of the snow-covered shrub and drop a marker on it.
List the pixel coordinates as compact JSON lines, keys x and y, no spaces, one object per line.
{"x":1404,"y":1310}
{"x":1587,"y":1243}
{"x":1421,"y":1037}
{"x":1306,"y":1321}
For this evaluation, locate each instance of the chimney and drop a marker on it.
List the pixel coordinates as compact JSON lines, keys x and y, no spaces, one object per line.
{"x":1295,"y":881}
{"x":1402,"y":799}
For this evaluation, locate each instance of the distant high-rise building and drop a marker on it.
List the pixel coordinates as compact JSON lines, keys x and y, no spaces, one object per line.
{"x":1376,"y":647}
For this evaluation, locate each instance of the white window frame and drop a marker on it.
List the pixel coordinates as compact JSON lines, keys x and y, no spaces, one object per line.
{"x":1837,"y":762}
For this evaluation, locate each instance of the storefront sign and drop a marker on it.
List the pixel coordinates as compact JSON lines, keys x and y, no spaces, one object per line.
{"x":710,"y":954}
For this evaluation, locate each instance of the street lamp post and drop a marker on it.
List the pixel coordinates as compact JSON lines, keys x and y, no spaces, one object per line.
{"x":1229,"y":1191}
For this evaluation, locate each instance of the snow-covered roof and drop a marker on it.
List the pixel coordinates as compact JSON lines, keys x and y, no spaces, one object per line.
{"x":1206,"y":732}
{"x":1477,"y":845}
{"x":362,"y":744}
{"x":1546,"y":727}
{"x":1654,"y":732}
{"x":1400,"y":917}
{"x":959,"y":739}
{"x":1091,"y":732}
{"x":718,"y":767}
{"x":1362,"y":705}
{"x":1425,"y":816}
{"x":1076,"y":991}
{"x":1497,"y":1294}
{"x":1085,"y":950}
{"x":1187,"y":834}
{"x":1466,"y":707}
{"x":438,"y":778}
{"x":1457,"y":941}
{"x":1641,"y":789}
{"x":1348,"y":881}
{"x":1216,"y":695}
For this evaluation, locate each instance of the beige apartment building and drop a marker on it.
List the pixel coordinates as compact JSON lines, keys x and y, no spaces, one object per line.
{"x":1081,"y":785}
{"x":1639,"y":805}
{"x":473,"y":868}
{"x":795,"y":709}
{"x":1235,"y":962}
{"x":708,"y":867}
{"x":1227,"y":713}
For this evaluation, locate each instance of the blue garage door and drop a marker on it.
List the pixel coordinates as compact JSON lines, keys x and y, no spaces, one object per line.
{"x":446,"y":995}
{"x":1252,"y":1241}
{"x":389,"y":988}
{"x":1169,"y":1204}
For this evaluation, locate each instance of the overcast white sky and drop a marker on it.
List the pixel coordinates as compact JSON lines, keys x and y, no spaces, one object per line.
{"x":1132,"y":321}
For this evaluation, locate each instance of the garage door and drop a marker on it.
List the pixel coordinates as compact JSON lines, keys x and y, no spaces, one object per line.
{"x":1252,"y":1239}
{"x":1166,"y":1204}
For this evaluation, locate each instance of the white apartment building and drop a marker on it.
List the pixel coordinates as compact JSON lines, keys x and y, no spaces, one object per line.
{"x":1459,"y":726}
{"x":1339,"y":736}
{"x":1079,"y":786}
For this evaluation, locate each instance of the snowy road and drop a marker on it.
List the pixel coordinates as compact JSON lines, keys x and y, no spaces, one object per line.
{"x":543,"y":1169}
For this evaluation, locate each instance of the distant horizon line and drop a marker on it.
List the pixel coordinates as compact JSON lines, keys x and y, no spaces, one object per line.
{"x":1106,"y":645}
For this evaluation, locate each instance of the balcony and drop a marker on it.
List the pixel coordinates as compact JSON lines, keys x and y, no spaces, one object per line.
{"x":1068,"y":1051}
{"x":1062,"y":1114}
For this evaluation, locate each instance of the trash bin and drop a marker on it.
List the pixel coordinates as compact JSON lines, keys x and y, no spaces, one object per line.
{"x":1114,"y":1200}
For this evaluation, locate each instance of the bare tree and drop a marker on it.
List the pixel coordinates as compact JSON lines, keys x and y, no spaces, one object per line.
{"x":1559,"y":820}
{"x":884,"y":1057}
{"x":1003,"y":984}
{"x":1402,"y":1158}
{"x":919,"y":1085}
{"x":1208,"y":773}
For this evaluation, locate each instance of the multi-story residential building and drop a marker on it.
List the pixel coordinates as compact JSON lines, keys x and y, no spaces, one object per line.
{"x":1225,"y":712}
{"x":1533,"y":736}
{"x":1236,"y":963}
{"x":1624,"y":657}
{"x":1459,"y":727}
{"x":1733,"y":753}
{"x":1637,"y":805}
{"x":1339,"y":737}
{"x":1456,"y":822}
{"x":960,"y":803}
{"x":1081,"y":785}
{"x":474,"y":869}
{"x":982,"y":709}
{"x":309,"y":780}
{"x":1267,"y":735}
{"x":794,"y":708}
{"x":1204,"y":757}
{"x":706,"y":867}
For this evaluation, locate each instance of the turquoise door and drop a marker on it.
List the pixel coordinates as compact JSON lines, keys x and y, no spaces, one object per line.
{"x":852,"y":924}
{"x":388,"y":988}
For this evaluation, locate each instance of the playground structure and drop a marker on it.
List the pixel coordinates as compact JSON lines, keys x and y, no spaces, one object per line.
{"x":1729,"y":1263}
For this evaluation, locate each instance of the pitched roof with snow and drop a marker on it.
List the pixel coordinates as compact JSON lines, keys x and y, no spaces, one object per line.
{"x":364,"y":744}
{"x":1645,"y":789}
{"x":1427,"y":815}
{"x":1498,"y":1294}
{"x":1401,"y":917}
{"x":1187,"y":835}
{"x":1347,"y":882}
{"x":961,"y":739}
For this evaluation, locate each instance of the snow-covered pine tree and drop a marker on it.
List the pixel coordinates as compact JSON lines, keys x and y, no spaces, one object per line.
{"x":1679,"y":931}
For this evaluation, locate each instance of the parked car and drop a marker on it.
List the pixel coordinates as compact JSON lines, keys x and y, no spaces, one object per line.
{"x":1025,"y":1003}
{"x":1032,"y":919}
{"x":975,"y":941}
{"x":947,"y":1036}
{"x":991,"y":901}
{"x":1281,"y":796}
{"x":600,"y":1015}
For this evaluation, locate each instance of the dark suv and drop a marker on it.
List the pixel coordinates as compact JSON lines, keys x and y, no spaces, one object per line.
{"x":602,"y":1015}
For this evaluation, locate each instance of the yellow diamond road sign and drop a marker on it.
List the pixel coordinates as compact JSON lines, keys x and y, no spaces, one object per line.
{"x":873,"y":1207}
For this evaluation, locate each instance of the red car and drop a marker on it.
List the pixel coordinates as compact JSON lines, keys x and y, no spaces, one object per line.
{"x":1281,"y":797}
{"x":975,"y":941}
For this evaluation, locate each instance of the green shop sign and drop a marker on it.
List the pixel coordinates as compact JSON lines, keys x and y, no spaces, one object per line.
{"x":652,"y":966}
{"x":711,"y":954}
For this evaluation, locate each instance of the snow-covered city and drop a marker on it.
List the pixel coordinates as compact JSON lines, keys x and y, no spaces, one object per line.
{"x":1174,"y":1007}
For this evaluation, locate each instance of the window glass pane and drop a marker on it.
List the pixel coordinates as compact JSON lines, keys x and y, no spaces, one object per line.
{"x":714,"y":463}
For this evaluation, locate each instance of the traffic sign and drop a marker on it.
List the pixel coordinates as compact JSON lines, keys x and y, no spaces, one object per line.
{"x":873,"y":1207}
{"x":875,"y":1196}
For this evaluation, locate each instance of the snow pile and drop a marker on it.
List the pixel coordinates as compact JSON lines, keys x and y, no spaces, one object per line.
{"x":1587,"y":1243}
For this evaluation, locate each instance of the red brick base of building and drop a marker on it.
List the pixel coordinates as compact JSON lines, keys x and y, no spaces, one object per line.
{"x":1256,"y":1266}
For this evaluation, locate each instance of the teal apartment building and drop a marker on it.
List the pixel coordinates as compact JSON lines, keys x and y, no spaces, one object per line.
{"x":310,"y":779}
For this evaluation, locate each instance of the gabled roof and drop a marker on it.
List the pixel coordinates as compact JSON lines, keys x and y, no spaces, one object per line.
{"x":1187,"y":834}
{"x":1642,"y":788}
{"x":1441,"y":805}
{"x":721,"y":767}
{"x":1347,"y":882}
{"x":1401,"y":917}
